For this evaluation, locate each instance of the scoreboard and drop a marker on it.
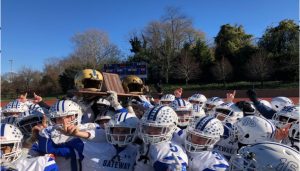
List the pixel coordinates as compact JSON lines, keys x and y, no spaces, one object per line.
{"x":136,"y":68}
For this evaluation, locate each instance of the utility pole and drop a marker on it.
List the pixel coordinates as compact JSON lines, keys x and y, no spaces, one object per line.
{"x":11,"y":71}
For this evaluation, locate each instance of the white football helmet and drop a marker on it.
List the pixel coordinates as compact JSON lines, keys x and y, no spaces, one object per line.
{"x":198,"y":112}
{"x":266,"y":103}
{"x":184,"y":111}
{"x":166,"y":99}
{"x":102,"y":106}
{"x":11,"y":143}
{"x":228,"y":112}
{"x":103,"y":118}
{"x":212,"y":102}
{"x":14,"y":107}
{"x":203,"y":134}
{"x":27,"y":120}
{"x":287,"y":115}
{"x":279,"y":103}
{"x":252,"y":129}
{"x":199,"y":99}
{"x":158,"y":124}
{"x":294,"y":135}
{"x":65,"y":108}
{"x":36,"y":107}
{"x":103,"y":103}
{"x":121,"y":129}
{"x":267,"y":156}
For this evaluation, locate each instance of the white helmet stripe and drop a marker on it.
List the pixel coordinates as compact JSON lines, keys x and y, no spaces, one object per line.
{"x":13,"y":104}
{"x":178,"y":101}
{"x":122,"y":116}
{"x":16,"y":104}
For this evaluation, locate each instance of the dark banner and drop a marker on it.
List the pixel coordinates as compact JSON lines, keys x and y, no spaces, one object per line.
{"x":138,"y":69}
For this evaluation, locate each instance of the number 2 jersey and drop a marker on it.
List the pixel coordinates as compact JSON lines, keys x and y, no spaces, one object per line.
{"x":207,"y":161}
{"x":162,"y":156}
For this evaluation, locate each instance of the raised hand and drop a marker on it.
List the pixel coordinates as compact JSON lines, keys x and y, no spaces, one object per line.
{"x":113,"y":98}
{"x":69,"y":129}
{"x":36,"y":129}
{"x":252,"y":95}
{"x":230,"y":96}
{"x":37,"y":98}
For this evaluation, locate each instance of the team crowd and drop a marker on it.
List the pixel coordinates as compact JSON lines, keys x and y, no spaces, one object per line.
{"x":107,"y":133}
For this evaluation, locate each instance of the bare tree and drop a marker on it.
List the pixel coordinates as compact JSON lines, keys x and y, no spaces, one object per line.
{"x":53,"y":67}
{"x":176,"y":27}
{"x":7,"y":86}
{"x":94,"y":48}
{"x":187,"y":68}
{"x":260,"y":66}
{"x":222,"y":70}
{"x":29,"y":79}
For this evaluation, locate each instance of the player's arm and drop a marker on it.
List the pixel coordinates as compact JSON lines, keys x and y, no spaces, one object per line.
{"x":46,"y":145}
{"x":39,"y":101}
{"x":264,"y":110}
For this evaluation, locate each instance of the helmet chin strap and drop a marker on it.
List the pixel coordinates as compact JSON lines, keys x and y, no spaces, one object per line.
{"x":144,"y":156}
{"x":119,"y":149}
{"x":240,"y":145}
{"x":182,"y":127}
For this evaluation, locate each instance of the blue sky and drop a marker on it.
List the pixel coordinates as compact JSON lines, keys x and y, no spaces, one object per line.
{"x":34,"y":30}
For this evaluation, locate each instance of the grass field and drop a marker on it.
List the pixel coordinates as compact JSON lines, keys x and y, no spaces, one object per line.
{"x":243,"y":85}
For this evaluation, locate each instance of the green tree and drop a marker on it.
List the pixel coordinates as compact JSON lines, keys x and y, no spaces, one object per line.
{"x":136,"y":45}
{"x":138,"y":48}
{"x":233,"y":43}
{"x":66,"y":79}
{"x":203,"y":54}
{"x":282,"y":42}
